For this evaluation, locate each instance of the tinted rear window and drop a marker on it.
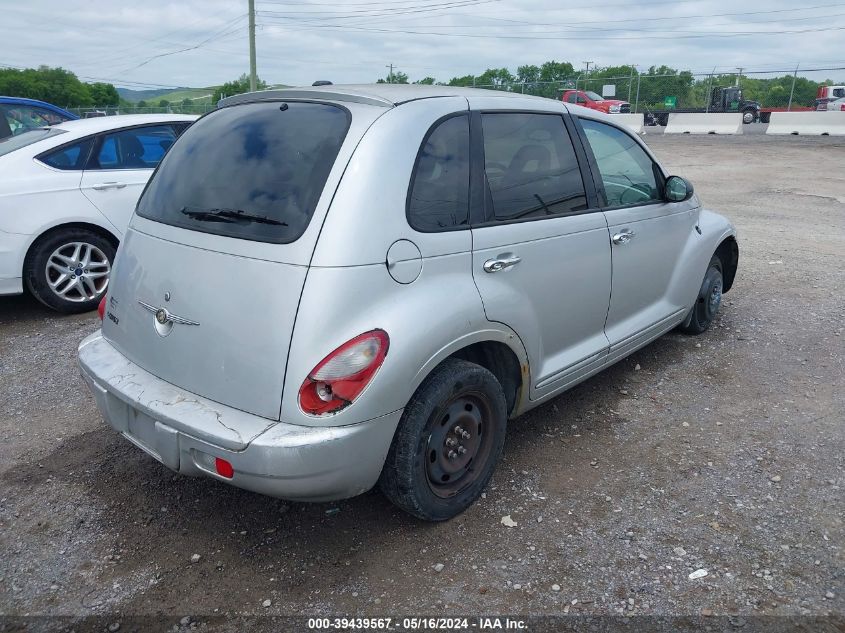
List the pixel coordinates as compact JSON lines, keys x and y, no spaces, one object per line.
{"x":252,"y":171}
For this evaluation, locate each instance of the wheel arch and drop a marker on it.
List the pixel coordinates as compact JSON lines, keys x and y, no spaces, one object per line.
{"x":500,"y":352}
{"x":728,"y":254}
{"x":94,"y":228}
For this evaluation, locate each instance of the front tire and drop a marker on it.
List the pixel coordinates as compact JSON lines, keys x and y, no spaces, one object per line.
{"x":748,"y":117}
{"x":68,"y":270}
{"x":448,"y":442}
{"x":707,"y":303}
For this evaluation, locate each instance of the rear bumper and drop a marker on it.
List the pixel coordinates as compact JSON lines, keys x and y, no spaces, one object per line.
{"x":12,"y":249}
{"x":186,"y":432}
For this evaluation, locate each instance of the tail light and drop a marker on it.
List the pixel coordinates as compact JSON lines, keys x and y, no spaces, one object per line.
{"x":101,"y":308}
{"x":342,"y":375}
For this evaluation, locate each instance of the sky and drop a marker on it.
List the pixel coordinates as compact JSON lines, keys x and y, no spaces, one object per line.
{"x":197,"y":43}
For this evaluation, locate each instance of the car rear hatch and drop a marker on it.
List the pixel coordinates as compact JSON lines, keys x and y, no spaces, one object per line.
{"x":206,"y":285}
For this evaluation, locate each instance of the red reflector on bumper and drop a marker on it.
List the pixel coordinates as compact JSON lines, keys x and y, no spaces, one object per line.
{"x":224,"y":468}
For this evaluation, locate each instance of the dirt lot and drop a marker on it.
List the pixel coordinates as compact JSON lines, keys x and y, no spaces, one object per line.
{"x":723,"y":453}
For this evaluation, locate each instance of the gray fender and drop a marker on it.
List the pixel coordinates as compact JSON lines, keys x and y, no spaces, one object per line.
{"x":686,"y":280}
{"x":425,"y":324}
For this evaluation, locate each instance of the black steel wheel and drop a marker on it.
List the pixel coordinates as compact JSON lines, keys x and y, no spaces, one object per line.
{"x":448,"y":442}
{"x":707,"y":303}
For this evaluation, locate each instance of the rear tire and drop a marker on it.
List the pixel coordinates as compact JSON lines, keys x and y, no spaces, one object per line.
{"x":433,"y":471}
{"x":748,"y":117}
{"x":707,"y":303}
{"x":68,"y":270}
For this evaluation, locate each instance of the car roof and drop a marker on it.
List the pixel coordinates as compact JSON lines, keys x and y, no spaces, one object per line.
{"x":93,"y":125}
{"x":385,"y":95}
{"x":36,"y":102}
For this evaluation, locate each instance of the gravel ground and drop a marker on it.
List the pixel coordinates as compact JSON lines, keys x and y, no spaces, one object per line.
{"x":721,"y":453}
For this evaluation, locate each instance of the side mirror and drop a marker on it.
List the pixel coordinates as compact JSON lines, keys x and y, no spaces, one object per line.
{"x":678,"y":189}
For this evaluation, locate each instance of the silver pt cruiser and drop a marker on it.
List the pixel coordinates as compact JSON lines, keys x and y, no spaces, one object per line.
{"x":330,"y":288}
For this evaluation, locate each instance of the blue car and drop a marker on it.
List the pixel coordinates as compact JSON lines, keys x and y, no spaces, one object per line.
{"x":18,"y":115}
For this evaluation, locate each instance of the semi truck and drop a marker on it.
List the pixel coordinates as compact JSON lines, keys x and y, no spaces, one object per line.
{"x":721,"y":100}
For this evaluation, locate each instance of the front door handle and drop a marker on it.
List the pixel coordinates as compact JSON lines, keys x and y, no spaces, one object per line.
{"x":108,"y":185}
{"x":623,"y":237}
{"x":495,"y":265}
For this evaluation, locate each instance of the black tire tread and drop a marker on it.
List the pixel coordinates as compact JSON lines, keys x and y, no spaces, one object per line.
{"x":399,"y":481}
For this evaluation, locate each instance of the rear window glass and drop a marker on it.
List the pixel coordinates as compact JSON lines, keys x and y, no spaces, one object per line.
{"x":252,"y":171}
{"x":72,"y":156}
{"x":11,"y":143}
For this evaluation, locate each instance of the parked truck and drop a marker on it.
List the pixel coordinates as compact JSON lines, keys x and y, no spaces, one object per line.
{"x":721,"y":100}
{"x":589,"y":99}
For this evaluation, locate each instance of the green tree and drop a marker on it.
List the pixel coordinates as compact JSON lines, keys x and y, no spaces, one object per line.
{"x":426,"y":81}
{"x":236,"y":87}
{"x":187,"y":103}
{"x":398,"y":77}
{"x":54,"y":85}
{"x":103,"y":94}
{"x":164,"y":103}
{"x":142,"y":104}
{"x":466,"y":80}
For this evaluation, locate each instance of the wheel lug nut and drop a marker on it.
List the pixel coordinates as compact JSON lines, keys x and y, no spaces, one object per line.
{"x":458,"y":430}
{"x":461,"y":450}
{"x":451,"y":441}
{"x":451,"y":454}
{"x":465,"y":435}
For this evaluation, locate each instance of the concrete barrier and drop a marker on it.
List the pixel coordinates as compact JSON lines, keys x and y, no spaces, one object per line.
{"x":701,"y":123}
{"x":634,"y":122}
{"x":807,"y":123}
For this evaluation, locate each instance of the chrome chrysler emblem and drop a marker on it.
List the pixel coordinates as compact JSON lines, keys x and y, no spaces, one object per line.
{"x":163,"y":315}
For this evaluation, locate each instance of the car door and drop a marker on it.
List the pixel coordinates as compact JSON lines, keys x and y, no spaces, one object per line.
{"x":647,"y":236}
{"x":120,"y":165}
{"x":541,"y":259}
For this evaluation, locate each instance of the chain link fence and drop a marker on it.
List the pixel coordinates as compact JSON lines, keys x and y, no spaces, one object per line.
{"x":794,"y":89}
{"x":174,"y":108}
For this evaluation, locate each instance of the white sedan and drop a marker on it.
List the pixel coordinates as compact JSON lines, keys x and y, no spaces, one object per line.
{"x":66,"y":195}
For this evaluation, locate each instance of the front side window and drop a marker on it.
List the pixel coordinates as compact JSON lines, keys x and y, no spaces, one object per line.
{"x":572,"y":97}
{"x":530,"y":166}
{"x":253,"y":171}
{"x":628,"y":174}
{"x":135,"y":148}
{"x":69,"y":157}
{"x":438,"y":198}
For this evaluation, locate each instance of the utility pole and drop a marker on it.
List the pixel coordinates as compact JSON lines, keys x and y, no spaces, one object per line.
{"x":739,"y":77}
{"x":792,"y":90}
{"x":390,"y":76}
{"x":586,"y":73}
{"x":253,"y":77}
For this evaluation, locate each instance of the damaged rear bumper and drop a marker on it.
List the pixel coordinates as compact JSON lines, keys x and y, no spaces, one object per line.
{"x":186,"y":432}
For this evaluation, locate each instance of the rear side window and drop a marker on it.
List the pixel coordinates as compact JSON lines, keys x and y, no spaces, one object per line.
{"x":68,"y":157}
{"x":438,"y":198}
{"x":530,"y":166}
{"x":253,"y":171}
{"x":134,"y":148}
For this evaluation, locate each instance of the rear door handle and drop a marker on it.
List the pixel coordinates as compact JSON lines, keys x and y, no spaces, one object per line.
{"x":108,"y":185}
{"x":496,"y":265}
{"x":623,"y":237}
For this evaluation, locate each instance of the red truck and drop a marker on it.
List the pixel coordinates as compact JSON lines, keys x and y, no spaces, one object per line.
{"x":591,"y":100}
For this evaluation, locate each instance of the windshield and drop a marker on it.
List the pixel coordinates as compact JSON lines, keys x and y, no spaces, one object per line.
{"x":253,"y":171}
{"x":593,"y":96}
{"x":11,"y":143}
